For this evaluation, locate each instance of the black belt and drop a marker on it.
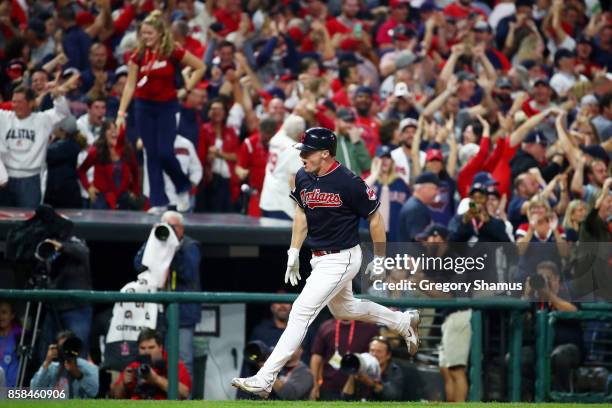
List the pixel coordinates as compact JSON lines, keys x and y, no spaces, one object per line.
{"x":320,"y":252}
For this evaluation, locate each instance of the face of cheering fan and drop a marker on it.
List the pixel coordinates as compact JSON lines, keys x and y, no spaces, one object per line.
{"x":149,"y":35}
{"x":111,"y":135}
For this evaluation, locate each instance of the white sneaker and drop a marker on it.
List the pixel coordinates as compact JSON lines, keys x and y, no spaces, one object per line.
{"x":157,"y":210}
{"x":183,"y":203}
{"x":409,"y":329}
{"x":253,"y":385}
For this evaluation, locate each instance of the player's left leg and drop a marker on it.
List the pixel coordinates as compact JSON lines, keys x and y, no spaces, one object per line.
{"x":345,"y":306}
{"x":330,"y":274}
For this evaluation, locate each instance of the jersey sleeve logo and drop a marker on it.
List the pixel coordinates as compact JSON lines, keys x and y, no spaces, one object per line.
{"x":315,"y":198}
{"x":371,"y":193}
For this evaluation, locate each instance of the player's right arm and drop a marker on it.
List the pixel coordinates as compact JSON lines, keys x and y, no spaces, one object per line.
{"x":300,"y":228}
{"x":298,"y":235}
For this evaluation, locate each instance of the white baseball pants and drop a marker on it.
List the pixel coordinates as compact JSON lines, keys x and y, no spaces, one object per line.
{"x":329,"y":284}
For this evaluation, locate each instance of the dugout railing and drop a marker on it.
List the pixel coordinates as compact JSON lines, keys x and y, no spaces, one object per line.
{"x":545,"y":334}
{"x":171,"y":300}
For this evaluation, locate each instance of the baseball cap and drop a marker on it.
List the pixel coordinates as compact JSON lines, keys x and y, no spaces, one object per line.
{"x":482,"y":26}
{"x":484,"y":177}
{"x":493,"y":190}
{"x":541,"y":81}
{"x":364,"y":90}
{"x":478,"y":188}
{"x":433,"y":154}
{"x":68,"y":124}
{"x":563,"y":53}
{"x":536,"y":136}
{"x":70,"y":71}
{"x":37,"y":27}
{"x":276,"y":92}
{"x":346,"y":114}
{"x":588,"y":99}
{"x":406,"y":122}
{"x":398,"y":3}
{"x":433,"y":230}
{"x":596,"y":151}
{"x":465,"y":75}
{"x":402,"y":33}
{"x":401,"y":90}
{"x":427,"y":177}
{"x":383,"y":151}
{"x":583,"y":39}
{"x":503,"y":82}
{"x":429,"y":5}
{"x":122,"y":70}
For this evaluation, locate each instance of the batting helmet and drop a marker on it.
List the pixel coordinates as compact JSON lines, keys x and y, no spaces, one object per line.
{"x":318,"y":138}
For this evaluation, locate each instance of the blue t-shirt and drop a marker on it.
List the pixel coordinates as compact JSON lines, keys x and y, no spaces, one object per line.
{"x":333,"y":203}
{"x":444,"y":209}
{"x":414,"y":218}
{"x":8,"y":355}
{"x":398,"y":194}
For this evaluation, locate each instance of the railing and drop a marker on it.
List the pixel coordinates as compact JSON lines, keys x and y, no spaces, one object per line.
{"x":545,"y":331}
{"x":172,"y":299}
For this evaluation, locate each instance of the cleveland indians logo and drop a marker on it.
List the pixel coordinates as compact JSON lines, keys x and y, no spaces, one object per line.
{"x":316,"y":198}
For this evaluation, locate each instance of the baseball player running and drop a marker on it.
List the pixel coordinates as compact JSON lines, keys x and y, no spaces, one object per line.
{"x":330,"y":202}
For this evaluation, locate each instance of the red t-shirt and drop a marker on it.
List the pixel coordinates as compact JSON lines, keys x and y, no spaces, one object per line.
{"x":253,"y":156}
{"x":335,"y":26}
{"x":370,"y":136}
{"x":160,"y":74}
{"x":460,"y":12}
{"x":231,"y":144}
{"x":382,"y":36}
{"x":230,"y":21}
{"x":502,"y":172}
{"x":183,"y":377}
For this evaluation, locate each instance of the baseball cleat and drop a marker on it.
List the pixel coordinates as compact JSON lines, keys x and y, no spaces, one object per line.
{"x":253,"y":385}
{"x":410,"y":330}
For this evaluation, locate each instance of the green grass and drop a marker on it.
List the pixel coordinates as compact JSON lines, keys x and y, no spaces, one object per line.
{"x":237,"y":404}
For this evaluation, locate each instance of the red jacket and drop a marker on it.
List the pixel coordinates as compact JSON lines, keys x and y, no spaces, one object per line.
{"x":103,"y":173}
{"x":231,"y":144}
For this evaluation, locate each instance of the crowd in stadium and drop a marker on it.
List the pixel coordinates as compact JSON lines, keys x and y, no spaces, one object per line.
{"x":472,"y":121}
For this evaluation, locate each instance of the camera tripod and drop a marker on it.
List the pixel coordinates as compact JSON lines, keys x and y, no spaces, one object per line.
{"x":39,"y":280}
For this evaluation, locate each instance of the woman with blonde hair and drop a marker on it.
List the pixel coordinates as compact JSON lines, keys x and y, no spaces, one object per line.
{"x":154,"y":74}
{"x":390,"y":189}
{"x":574,"y":216}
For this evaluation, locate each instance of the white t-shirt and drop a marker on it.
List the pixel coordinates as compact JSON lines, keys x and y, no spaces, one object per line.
{"x":562,"y":82}
{"x":90,"y":132}
{"x":190,"y":164}
{"x":23,"y":142}
{"x":403,"y":165}
{"x":283,"y":163}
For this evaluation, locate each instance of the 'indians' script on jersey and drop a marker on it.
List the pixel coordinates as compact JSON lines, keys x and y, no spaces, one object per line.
{"x":316,"y":198}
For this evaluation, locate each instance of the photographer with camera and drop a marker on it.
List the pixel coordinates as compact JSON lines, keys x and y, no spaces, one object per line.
{"x":66,"y":264}
{"x":546,"y":286}
{"x":63,"y":369}
{"x":146,"y":377}
{"x":184,"y":276}
{"x":363,"y":380}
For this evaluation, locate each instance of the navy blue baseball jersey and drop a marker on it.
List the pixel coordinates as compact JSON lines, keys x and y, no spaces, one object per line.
{"x":333,"y":203}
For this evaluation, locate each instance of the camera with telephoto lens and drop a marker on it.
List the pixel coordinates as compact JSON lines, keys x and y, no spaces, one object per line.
{"x":360,"y":364}
{"x":537,"y":282}
{"x":143,"y":389}
{"x":45,"y":251}
{"x":256,"y":352}
{"x":69,"y":350}
{"x":162,"y":232}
